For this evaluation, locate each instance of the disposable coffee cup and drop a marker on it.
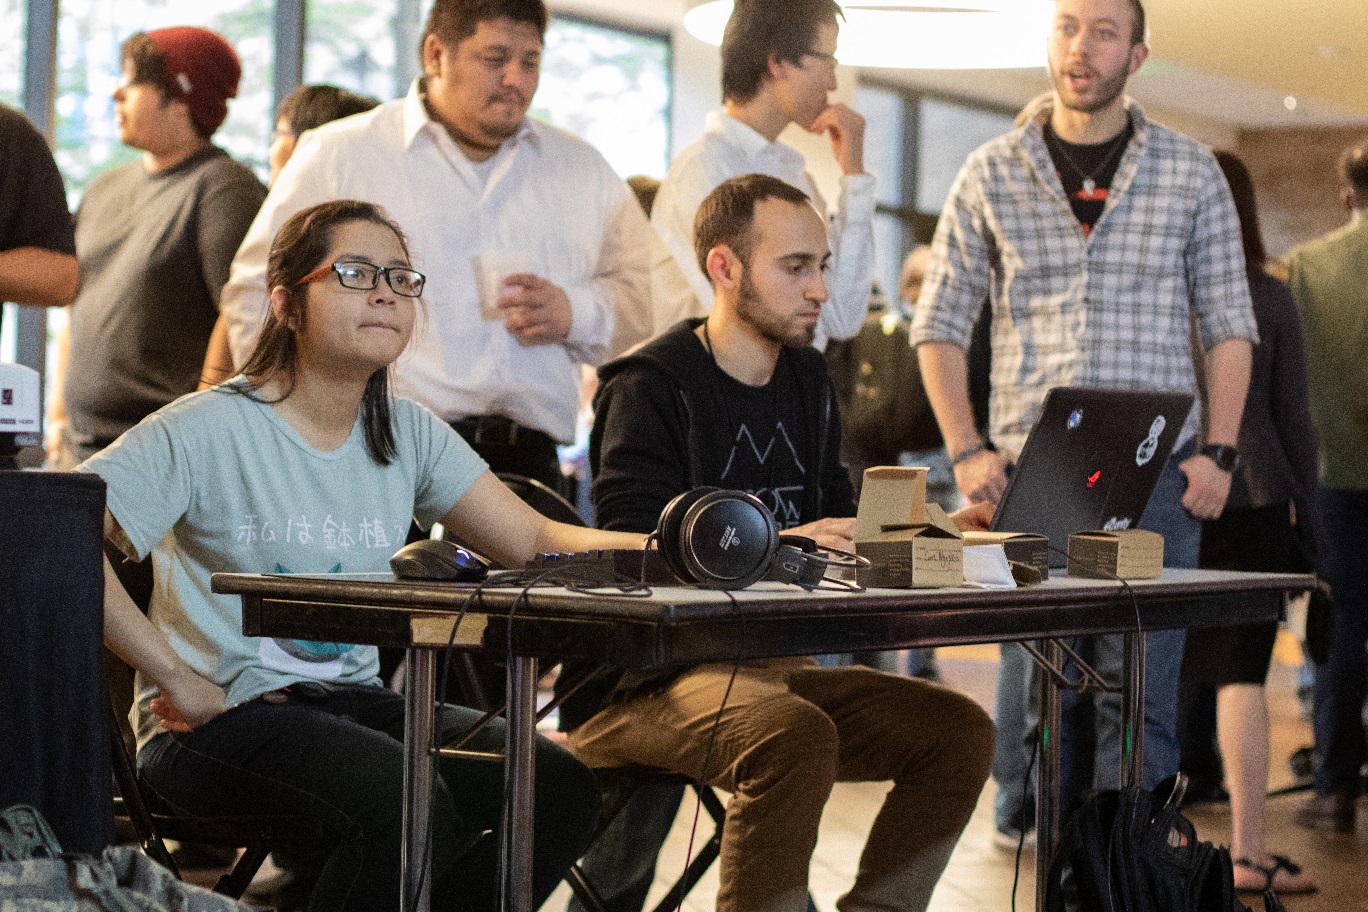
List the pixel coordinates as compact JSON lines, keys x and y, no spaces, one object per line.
{"x":492,"y":266}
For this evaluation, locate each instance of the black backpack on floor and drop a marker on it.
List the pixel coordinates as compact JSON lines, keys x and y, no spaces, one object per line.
{"x":1127,"y":851}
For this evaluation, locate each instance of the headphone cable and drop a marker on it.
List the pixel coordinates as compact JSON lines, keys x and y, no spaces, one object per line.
{"x":712,"y":742}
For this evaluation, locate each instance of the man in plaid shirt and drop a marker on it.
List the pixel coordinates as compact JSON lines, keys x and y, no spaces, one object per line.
{"x":1100,"y":238}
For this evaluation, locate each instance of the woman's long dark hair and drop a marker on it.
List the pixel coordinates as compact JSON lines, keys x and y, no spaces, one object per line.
{"x":1242,"y":189}
{"x":300,"y":247}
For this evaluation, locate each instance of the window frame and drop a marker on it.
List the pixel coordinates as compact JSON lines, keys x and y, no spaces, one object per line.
{"x":918,"y":226}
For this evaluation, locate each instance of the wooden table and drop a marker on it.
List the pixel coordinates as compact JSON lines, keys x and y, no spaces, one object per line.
{"x":676,"y":625}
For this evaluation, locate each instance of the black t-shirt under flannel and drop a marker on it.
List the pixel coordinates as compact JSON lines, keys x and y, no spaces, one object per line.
{"x":1079,"y":165}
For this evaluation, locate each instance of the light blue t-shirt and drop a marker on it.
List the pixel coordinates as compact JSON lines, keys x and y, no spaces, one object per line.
{"x":218,"y":482}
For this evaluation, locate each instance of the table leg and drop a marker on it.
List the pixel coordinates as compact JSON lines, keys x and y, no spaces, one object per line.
{"x":516,"y":845}
{"x":1048,"y":775}
{"x":1132,"y":709}
{"x":420,"y":693}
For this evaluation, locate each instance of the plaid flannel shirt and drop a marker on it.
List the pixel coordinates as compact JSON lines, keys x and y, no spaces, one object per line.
{"x":1113,"y":309}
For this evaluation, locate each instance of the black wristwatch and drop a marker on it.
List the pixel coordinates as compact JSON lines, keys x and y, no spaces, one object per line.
{"x":1226,"y":457}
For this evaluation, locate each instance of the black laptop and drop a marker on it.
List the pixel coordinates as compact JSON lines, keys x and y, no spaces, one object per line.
{"x":1091,"y":462}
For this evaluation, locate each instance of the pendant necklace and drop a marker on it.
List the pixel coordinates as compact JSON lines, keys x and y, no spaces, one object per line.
{"x":1089,"y":179}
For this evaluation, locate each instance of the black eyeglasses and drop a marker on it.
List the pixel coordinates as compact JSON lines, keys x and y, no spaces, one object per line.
{"x":365,"y":276}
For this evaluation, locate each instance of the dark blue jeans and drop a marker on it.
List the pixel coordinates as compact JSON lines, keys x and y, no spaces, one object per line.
{"x":1340,"y":682}
{"x":339,"y":759}
{"x":1092,"y":736}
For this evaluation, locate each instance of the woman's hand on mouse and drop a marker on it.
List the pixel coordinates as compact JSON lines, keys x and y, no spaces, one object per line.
{"x":188,"y":701}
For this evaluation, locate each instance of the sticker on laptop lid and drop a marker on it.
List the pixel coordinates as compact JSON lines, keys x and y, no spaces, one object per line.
{"x":1075,"y":419}
{"x":1145,"y":452}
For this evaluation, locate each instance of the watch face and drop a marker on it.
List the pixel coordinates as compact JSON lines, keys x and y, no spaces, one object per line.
{"x":1225,"y":457}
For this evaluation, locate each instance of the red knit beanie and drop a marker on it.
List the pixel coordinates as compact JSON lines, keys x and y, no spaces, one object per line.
{"x":205,"y":69}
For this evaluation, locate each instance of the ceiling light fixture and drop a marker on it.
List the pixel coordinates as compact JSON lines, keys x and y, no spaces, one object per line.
{"x":921,"y":34}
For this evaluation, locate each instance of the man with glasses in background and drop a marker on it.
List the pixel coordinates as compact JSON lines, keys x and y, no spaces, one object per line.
{"x":778,"y":68}
{"x":475,"y":182}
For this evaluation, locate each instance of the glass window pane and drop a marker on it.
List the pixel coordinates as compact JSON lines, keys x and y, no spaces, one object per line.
{"x":883,"y":114}
{"x":89,"y":34}
{"x":611,"y":88}
{"x":13,"y":19}
{"x":946,"y":134}
{"x":367,"y":46}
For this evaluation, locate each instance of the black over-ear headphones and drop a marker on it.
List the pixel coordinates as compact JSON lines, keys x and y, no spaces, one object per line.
{"x":722,"y":539}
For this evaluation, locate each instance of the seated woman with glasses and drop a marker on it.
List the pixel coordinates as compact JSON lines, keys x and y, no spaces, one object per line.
{"x":306,"y":464}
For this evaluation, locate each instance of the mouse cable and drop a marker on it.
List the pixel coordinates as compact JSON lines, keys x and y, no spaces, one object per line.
{"x":527,"y":580}
{"x":430,"y":823}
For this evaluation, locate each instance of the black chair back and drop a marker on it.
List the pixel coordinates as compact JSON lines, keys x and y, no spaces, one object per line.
{"x":52,"y":699}
{"x":541,"y":498}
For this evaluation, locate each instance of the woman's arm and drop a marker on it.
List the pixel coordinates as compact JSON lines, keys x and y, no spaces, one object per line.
{"x":499,"y":524}
{"x":187,"y":700}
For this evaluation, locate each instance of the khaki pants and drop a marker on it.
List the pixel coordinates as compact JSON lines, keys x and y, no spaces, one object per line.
{"x":789,"y":731}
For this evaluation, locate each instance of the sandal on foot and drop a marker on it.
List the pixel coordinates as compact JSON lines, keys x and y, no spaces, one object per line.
{"x":1283,"y":876}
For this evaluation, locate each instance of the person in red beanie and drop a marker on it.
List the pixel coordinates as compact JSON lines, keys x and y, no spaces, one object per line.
{"x":202,"y":69}
{"x":150,"y":285}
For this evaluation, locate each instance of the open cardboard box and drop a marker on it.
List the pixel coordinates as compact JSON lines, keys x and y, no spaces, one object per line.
{"x":909,"y":543}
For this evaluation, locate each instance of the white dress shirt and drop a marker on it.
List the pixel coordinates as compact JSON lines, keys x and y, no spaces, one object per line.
{"x":728,"y":148}
{"x":547,"y":194}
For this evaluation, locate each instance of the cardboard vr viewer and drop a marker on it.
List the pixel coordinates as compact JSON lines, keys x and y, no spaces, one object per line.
{"x":909,"y":543}
{"x":1128,"y":554}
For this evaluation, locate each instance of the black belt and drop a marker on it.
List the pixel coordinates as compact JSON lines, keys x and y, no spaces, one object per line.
{"x":496,"y":430}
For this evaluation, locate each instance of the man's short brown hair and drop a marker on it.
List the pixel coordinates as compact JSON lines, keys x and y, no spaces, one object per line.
{"x":759,"y":29}
{"x":453,"y":21}
{"x":728,"y":213}
{"x":1137,"y":22}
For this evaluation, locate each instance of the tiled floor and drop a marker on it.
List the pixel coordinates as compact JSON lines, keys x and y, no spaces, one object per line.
{"x":979,"y":878}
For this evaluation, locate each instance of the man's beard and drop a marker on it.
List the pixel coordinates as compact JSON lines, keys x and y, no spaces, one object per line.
{"x":1107,"y":89}
{"x":750,"y":308}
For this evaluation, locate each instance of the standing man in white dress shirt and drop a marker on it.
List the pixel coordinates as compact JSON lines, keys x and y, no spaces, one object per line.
{"x":778,"y":68}
{"x":463,"y":170}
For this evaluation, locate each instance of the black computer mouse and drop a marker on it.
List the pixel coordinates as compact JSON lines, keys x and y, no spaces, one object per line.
{"x":436,"y":559}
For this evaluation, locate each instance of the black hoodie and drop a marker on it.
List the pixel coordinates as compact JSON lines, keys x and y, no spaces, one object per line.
{"x":663,"y":426}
